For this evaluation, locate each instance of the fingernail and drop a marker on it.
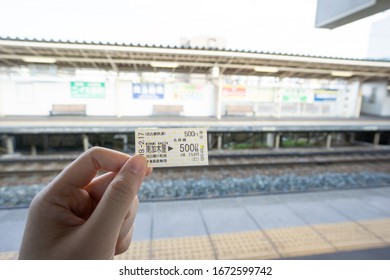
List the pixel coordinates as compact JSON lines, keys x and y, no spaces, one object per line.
{"x":138,"y":164}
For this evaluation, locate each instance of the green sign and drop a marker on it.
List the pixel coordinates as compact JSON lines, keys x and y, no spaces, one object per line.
{"x":294,"y":95}
{"x":88,"y":89}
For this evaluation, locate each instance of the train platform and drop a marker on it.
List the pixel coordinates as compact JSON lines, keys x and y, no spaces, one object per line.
{"x":338,"y":224}
{"x":110,"y":124}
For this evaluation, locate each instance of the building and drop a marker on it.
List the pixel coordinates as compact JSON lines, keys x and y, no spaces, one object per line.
{"x":42,"y":77}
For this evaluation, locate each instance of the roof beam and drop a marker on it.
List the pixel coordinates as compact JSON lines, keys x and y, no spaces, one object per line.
{"x":89,"y":59}
{"x":59,"y":54}
{"x":237,"y":67}
{"x":134,"y":65}
{"x":6,"y":50}
{"x":7,"y":62}
{"x":32,"y":51}
{"x":211,"y":53}
{"x":113,"y":65}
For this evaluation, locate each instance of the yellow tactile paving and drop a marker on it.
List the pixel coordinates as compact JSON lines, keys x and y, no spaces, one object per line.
{"x":380,"y":228}
{"x":288,"y":242}
{"x":349,"y":236}
{"x":8,"y":256}
{"x":244,"y":245}
{"x":139,"y":250}
{"x":298,"y":241}
{"x":198,"y":248}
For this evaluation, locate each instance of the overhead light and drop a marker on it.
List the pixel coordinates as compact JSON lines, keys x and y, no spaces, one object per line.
{"x":89,"y":72}
{"x":39,"y":59}
{"x":341,"y":73}
{"x":267,"y":69}
{"x":164,"y":64}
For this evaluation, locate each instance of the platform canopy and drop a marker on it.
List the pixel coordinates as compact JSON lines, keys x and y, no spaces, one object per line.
{"x":128,"y":57}
{"x":335,"y":13}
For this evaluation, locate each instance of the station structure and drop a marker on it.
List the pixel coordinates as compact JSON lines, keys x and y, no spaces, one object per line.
{"x":71,"y":87}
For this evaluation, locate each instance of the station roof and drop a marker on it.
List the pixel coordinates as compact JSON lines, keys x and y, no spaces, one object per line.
{"x":130,"y":57}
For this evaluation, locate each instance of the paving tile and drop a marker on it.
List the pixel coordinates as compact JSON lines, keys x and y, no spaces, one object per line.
{"x":274,"y":216}
{"x":11,"y":234}
{"x":380,"y":227}
{"x":228,"y":219}
{"x":356,"y":209}
{"x":348,"y":236}
{"x":316,"y":212}
{"x":172,"y":223}
{"x":174,"y":206}
{"x":12,"y":215}
{"x":245,"y":245}
{"x":219,"y":203}
{"x":12,"y":223}
{"x":8,"y":255}
{"x":385,"y":191}
{"x":341,"y":194}
{"x":297,"y":197}
{"x":188,"y":248}
{"x":380,"y":202}
{"x":142,"y":226}
{"x":258,"y":200}
{"x":298,"y":241}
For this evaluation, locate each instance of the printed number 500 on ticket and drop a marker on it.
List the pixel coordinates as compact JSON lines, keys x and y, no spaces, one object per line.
{"x":165,"y":147}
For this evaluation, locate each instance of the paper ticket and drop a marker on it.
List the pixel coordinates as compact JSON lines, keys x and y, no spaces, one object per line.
{"x":165,"y":147}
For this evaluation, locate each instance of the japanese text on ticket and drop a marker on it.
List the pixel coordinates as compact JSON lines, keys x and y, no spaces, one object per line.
{"x":165,"y":147}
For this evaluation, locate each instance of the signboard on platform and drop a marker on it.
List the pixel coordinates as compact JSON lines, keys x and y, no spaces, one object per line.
{"x":324,"y":95}
{"x":233,"y":92}
{"x":294,"y":95}
{"x":186,"y":91}
{"x":148,"y":91}
{"x":88,"y":89}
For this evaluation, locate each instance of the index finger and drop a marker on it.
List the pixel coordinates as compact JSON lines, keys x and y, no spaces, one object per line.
{"x":81,"y":172}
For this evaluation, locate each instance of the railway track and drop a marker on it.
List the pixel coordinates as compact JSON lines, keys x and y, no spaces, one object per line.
{"x":238,"y":174}
{"x":45,"y":166}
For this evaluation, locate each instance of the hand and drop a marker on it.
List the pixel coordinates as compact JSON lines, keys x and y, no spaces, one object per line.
{"x":80,"y":216}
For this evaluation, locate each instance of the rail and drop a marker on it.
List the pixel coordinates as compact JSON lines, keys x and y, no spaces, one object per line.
{"x":39,"y":165}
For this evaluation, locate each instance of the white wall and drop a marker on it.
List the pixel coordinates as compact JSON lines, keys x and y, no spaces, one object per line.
{"x":5,"y":87}
{"x":379,"y":43}
{"x":36,"y":97}
{"x":376,"y":98}
{"x":303,"y":99}
{"x":26,"y":94}
{"x":198,"y":103}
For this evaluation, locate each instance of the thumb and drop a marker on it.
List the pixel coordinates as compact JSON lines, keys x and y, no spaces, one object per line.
{"x":112,"y":209}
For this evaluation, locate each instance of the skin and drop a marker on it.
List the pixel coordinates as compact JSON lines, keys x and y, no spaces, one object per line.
{"x":81,"y":216}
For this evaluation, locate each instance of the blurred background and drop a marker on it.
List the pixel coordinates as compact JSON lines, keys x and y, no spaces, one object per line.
{"x":295,"y":96}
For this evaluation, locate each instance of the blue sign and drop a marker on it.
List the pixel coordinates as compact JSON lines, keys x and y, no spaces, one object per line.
{"x":148,"y":91}
{"x":324,"y":97}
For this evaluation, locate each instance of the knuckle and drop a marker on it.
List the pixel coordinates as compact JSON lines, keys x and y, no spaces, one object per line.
{"x":122,"y":246}
{"x":133,"y":209}
{"x":120,"y":190}
{"x":93,"y":150}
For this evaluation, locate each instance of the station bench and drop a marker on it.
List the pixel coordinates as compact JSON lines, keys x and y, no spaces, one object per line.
{"x":235,"y":110}
{"x":68,"y":109}
{"x":168,"y":110}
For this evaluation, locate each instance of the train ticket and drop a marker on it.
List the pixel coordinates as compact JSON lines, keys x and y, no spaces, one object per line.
{"x":165,"y":147}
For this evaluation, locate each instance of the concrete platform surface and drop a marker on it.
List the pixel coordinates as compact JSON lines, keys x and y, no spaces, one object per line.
{"x":272,"y":226}
{"x":112,"y":124}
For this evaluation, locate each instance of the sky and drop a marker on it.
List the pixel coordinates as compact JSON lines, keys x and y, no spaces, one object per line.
{"x":285,"y":26}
